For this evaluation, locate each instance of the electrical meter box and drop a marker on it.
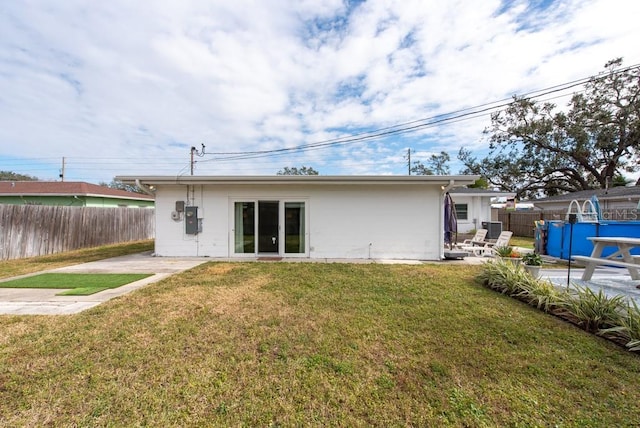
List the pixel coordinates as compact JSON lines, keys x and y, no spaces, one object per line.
{"x":191,"y":220}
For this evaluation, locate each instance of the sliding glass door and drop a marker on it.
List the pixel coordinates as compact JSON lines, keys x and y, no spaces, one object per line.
{"x":294,"y":230}
{"x":244,"y":228}
{"x":270,"y":227}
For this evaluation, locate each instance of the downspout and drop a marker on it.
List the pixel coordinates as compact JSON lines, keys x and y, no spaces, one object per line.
{"x":448,"y":187}
{"x":146,"y":189}
{"x":445,"y":189}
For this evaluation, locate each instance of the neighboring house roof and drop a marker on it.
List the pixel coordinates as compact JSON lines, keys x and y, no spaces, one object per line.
{"x":614,"y":193}
{"x":65,"y":188}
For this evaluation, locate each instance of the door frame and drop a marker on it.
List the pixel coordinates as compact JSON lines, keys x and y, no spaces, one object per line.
{"x":281,"y":229}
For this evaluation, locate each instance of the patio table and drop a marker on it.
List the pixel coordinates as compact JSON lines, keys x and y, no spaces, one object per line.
{"x":621,"y":257}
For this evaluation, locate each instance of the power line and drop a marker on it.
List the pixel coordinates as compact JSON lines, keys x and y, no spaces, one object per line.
{"x":467,"y":113}
{"x":417,"y":124}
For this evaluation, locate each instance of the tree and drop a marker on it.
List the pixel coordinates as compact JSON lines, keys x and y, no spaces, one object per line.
{"x":480,"y":183}
{"x":418,"y":168}
{"x":620,"y":181}
{"x":534,"y":148}
{"x":437,"y":164}
{"x":119,"y":185}
{"x":297,"y":171}
{"x":14,"y":176}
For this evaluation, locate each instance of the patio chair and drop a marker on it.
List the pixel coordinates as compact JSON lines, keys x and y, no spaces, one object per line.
{"x":478,"y":238}
{"x":488,"y":248}
{"x":502,"y":241}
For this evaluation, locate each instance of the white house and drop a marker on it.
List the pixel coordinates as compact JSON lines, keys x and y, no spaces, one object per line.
{"x":350,"y":217}
{"x":473,"y":206}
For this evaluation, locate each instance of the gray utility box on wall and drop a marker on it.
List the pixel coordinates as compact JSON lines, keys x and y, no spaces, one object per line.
{"x":191,"y":220}
{"x":494,"y":228}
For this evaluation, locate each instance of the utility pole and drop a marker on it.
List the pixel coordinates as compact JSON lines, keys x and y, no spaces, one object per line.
{"x":62,"y":170}
{"x":409,"y":160}
{"x":195,"y":151}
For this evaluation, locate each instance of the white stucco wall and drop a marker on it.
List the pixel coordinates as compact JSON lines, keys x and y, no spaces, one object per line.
{"x":344,"y":221}
{"x":479,"y":210}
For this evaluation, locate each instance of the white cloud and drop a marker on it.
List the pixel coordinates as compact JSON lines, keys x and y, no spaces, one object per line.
{"x":134,"y":86}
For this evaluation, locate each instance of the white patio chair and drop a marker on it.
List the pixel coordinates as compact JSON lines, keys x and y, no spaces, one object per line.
{"x":479,"y":237}
{"x":488,"y":248}
{"x":502,"y":241}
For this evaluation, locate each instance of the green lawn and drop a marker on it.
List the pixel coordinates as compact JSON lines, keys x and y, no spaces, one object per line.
{"x":305,"y":344}
{"x":524,"y":242}
{"x":80,"y":284}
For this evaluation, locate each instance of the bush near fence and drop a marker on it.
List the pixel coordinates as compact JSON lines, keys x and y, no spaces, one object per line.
{"x":521,"y":223}
{"x":36,"y":230}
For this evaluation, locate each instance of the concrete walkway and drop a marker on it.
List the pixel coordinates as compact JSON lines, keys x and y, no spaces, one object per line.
{"x":29,"y":301}
{"x":16,"y":301}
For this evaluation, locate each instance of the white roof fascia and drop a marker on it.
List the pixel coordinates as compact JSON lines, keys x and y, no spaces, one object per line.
{"x":441,"y":180}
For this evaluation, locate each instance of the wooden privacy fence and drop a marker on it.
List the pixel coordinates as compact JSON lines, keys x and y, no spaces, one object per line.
{"x":521,"y":223}
{"x":35,"y":230}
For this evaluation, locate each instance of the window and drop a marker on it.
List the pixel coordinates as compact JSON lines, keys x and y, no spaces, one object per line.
{"x":294,"y":219}
{"x":244,"y":227}
{"x":462,"y":211}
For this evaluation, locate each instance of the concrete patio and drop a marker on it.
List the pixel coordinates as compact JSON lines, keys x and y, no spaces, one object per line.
{"x":613,"y":281}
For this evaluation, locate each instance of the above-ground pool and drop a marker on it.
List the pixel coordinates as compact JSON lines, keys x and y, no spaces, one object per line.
{"x":559,"y":234}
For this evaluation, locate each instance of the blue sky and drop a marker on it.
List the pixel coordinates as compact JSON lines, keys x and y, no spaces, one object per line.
{"x":126,"y":88}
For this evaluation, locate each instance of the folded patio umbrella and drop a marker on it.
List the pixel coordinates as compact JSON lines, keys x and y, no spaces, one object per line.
{"x":450,"y":220}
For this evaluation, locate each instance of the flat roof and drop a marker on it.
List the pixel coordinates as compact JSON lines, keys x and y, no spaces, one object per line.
{"x":442,"y":180}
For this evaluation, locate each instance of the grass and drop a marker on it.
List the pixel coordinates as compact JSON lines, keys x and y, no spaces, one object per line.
{"x":304,"y":344}
{"x":9,"y":268}
{"x":521,"y":241}
{"x":80,"y":284}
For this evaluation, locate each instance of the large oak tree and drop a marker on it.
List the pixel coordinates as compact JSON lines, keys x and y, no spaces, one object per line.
{"x":536,"y":148}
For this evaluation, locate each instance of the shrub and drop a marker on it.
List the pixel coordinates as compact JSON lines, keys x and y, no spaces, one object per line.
{"x":505,"y":277}
{"x":504,"y":251}
{"x":594,"y":311}
{"x":541,"y":294}
{"x":629,"y":327}
{"x":532,"y":259}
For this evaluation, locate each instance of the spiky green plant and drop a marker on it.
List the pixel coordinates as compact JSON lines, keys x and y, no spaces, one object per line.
{"x":501,"y":276}
{"x":594,"y":311}
{"x":629,"y":326}
{"x":504,"y":251}
{"x":506,"y":278}
{"x":541,"y":294}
